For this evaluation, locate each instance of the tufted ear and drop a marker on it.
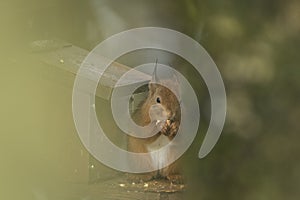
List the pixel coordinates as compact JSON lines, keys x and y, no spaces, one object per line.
{"x":154,"y":79}
{"x":176,"y":85}
{"x":175,"y":79}
{"x":154,"y":75}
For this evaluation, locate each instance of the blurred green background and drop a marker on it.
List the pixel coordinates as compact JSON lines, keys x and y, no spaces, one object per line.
{"x":255,"y":44}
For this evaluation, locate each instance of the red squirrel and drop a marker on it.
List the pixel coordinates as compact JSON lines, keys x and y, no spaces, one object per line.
{"x":161,"y":106}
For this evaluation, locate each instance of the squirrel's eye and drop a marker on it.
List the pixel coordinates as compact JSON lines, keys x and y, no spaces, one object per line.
{"x":157,"y":100}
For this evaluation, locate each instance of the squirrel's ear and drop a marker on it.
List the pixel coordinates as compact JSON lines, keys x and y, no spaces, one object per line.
{"x":154,"y":79}
{"x":175,"y":79}
{"x":175,"y":84}
{"x":151,"y":86}
{"x":154,"y":75}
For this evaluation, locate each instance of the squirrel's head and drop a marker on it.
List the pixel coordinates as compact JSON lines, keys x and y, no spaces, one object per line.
{"x":163,"y":98}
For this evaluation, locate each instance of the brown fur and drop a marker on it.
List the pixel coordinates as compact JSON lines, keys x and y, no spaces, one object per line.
{"x":171,"y":106}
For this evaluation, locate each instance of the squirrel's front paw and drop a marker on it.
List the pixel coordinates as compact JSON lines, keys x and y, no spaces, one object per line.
{"x":170,"y":128}
{"x":173,"y":129}
{"x":165,"y":130}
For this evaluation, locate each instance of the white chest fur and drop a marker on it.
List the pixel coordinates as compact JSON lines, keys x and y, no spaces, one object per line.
{"x":161,"y":157}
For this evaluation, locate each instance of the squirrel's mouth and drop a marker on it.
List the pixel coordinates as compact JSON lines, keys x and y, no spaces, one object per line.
{"x":157,"y":122}
{"x":168,"y":122}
